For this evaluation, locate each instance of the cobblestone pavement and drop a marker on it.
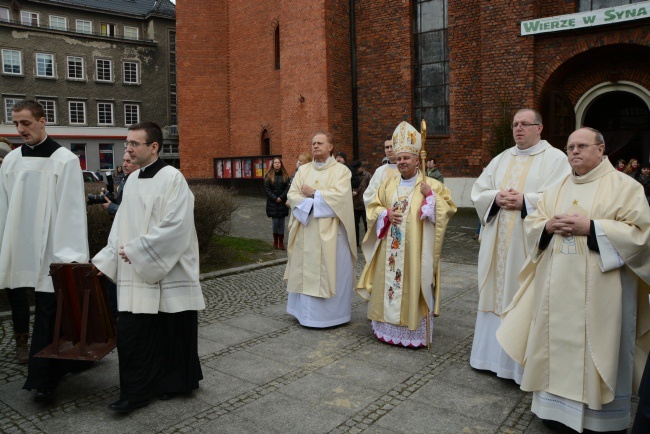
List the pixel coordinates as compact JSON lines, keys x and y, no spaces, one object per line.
{"x":265,"y":373}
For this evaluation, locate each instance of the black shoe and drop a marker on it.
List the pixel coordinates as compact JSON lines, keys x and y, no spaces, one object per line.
{"x":123,"y":406}
{"x":168,"y":396}
{"x":44,"y":395}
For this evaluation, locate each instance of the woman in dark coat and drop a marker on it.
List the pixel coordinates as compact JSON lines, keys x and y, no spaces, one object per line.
{"x":276,"y":187}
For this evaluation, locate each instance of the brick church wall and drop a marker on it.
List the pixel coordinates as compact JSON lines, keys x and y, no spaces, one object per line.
{"x":202,"y":71}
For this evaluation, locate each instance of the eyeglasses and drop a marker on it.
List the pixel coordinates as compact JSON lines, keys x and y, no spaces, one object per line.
{"x":136,"y":144}
{"x":522,"y":125}
{"x":581,"y":147}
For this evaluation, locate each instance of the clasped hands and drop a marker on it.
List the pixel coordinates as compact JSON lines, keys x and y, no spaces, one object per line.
{"x":307,"y":191}
{"x":510,"y":200}
{"x":567,"y":225}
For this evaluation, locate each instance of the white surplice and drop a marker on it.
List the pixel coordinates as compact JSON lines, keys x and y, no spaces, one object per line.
{"x":155,"y":224}
{"x":42,"y":216}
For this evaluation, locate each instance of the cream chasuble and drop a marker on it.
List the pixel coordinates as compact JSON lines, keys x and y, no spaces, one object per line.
{"x":311,"y":268}
{"x":415,"y":246}
{"x":564,"y":324}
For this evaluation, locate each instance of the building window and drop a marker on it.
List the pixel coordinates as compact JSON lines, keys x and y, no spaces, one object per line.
{"x":28,"y":18}
{"x":276,"y":46}
{"x":104,"y":113}
{"x":9,"y":103}
{"x":131,"y":32}
{"x":79,"y":149}
{"x":4,"y":14}
{"x":173,"y":106}
{"x":104,"y":70}
{"x":431,"y":86}
{"x":75,"y":68}
{"x":58,"y":23}
{"x":84,"y":26}
{"x":107,"y":29}
{"x":50,"y":110}
{"x":105,"y":156}
{"x":592,"y":5}
{"x":131,"y":72}
{"x":12,"y":62}
{"x":44,"y":65}
{"x":131,"y":114}
{"x":77,"y":111}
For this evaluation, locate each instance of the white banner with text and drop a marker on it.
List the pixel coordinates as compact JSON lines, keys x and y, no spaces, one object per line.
{"x":598,"y":17}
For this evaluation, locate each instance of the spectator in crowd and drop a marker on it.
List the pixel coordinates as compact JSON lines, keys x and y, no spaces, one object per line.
{"x":322,"y":251}
{"x":153,"y":255}
{"x":631,"y":167}
{"x":128,"y":168}
{"x":620,"y":165}
{"x":119,"y":175}
{"x":276,"y":187}
{"x":408,"y":217}
{"x":42,"y":221}
{"x":341,"y":157}
{"x":581,"y":317}
{"x":302,"y":159}
{"x":360,"y":180}
{"x":643,"y":177}
{"x":507,"y":190}
{"x":385,"y":161}
{"x":434,"y":172}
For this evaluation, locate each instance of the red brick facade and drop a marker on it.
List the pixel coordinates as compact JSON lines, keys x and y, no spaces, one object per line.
{"x":230,"y":91}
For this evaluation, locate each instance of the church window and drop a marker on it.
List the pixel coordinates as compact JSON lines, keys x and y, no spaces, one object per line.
{"x":431,"y":74}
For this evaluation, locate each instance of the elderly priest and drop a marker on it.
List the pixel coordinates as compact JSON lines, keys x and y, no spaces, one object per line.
{"x":322,"y":244}
{"x":579,"y":322}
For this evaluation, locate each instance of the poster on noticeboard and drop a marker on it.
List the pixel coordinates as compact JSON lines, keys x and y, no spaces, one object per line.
{"x":258,"y":168}
{"x":268,"y":163}
{"x":247,"y":168}
{"x":227,"y":169}
{"x":237,"y":169}
{"x":218,"y":169}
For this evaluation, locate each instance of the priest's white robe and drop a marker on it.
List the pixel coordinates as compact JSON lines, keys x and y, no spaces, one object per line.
{"x":574,"y":321}
{"x":155,"y":224}
{"x":322,"y":246}
{"x":381,"y":174}
{"x":42,"y":215}
{"x":502,"y":252}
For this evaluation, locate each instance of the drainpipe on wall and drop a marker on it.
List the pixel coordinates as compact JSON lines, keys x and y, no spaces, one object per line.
{"x":353,"y":56}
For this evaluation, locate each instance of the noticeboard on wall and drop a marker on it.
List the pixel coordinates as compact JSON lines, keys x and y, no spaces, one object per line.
{"x":254,"y":167}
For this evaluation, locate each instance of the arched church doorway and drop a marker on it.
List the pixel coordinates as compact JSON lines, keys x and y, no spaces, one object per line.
{"x":624,"y":120}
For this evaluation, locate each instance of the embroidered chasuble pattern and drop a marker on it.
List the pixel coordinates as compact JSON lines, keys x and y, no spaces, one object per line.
{"x":569,"y":270}
{"x":395,"y":257}
{"x":517,"y":173}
